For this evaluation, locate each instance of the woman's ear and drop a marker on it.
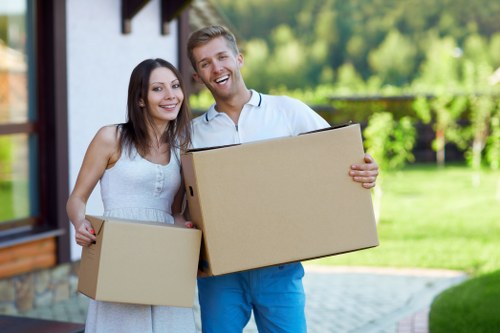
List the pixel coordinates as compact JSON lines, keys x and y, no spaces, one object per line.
{"x":141,"y":103}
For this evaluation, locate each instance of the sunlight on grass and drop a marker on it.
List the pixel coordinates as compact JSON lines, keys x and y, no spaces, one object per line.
{"x":435,"y":218}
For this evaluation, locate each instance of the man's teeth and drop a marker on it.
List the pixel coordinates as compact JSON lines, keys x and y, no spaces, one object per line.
{"x":222,"y":79}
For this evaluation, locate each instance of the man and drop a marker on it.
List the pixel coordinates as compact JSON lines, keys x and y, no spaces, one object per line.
{"x":275,"y":294}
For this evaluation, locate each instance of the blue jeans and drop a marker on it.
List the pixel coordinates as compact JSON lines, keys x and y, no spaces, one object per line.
{"x":275,"y":294}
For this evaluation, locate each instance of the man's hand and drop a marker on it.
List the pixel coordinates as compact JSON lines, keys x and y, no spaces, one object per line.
{"x":366,"y":173}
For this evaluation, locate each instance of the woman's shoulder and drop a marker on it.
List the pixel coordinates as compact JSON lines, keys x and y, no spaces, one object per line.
{"x":107,"y":140}
{"x":109,"y":134}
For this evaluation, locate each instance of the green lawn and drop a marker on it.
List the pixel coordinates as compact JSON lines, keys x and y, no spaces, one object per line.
{"x":435,"y":218}
{"x":471,"y":307}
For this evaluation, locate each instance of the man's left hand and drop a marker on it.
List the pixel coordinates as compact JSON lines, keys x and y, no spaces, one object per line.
{"x":366,"y":173}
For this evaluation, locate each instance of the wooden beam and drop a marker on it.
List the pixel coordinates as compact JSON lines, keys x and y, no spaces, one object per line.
{"x":171,"y":9}
{"x":129,"y":9}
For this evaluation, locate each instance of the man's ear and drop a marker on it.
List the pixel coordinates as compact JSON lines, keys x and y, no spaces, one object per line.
{"x":241,"y":59}
{"x":197,"y":78}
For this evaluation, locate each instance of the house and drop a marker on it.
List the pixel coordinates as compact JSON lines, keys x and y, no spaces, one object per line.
{"x":64,"y":71}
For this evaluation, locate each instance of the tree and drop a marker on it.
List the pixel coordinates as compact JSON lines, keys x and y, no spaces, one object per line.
{"x":443,"y":110}
{"x":440,"y":70}
{"x":394,"y":59}
{"x":390,"y":142}
{"x":256,"y":58}
{"x":493,"y":147}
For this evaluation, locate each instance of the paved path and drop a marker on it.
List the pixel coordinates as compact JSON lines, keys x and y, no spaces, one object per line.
{"x":340,"y":300}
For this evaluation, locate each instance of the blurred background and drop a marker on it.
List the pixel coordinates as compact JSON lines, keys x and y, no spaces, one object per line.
{"x":421,"y":77}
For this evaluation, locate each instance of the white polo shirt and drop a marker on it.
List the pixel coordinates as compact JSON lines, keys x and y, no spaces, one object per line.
{"x":263,"y":117}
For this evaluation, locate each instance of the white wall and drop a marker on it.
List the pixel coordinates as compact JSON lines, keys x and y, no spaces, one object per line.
{"x":100,"y":60}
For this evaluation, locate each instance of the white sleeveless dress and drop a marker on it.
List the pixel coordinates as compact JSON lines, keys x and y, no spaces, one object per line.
{"x":135,"y":188}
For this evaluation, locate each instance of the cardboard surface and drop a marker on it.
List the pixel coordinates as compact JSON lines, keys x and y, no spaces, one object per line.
{"x":140,"y":263}
{"x":277,"y":201}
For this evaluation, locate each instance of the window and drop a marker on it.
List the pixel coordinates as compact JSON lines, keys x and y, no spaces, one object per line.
{"x":17,"y":137}
{"x":33,"y":124}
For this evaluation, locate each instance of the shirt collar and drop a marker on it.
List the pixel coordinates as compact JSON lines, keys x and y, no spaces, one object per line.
{"x":255,"y":100}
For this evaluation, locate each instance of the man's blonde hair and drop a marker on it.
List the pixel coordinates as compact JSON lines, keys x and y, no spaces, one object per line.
{"x":205,"y":35}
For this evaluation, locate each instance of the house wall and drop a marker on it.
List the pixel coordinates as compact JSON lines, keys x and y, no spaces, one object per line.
{"x":100,"y":60}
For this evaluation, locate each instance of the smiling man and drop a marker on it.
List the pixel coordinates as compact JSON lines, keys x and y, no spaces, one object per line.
{"x":239,"y":115}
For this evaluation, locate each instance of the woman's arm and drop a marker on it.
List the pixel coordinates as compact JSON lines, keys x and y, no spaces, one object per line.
{"x":101,"y":153}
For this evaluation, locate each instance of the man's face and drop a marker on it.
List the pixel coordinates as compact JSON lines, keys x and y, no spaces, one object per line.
{"x":218,"y":67}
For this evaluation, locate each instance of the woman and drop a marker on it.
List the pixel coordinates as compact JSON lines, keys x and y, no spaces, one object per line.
{"x":138,"y":166}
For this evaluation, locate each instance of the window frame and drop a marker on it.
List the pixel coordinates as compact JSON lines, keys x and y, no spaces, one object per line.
{"x":47,"y":84}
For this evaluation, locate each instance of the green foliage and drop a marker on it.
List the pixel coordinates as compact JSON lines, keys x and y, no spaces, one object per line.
{"x":390,"y":142}
{"x":482,"y":106}
{"x":394,"y":60}
{"x":493,"y":143}
{"x":494,"y":50}
{"x":399,"y":42}
{"x":201,"y":101}
{"x":5,"y":157}
{"x":471,"y":306}
{"x":7,"y":207}
{"x":443,"y":111}
{"x":439,"y":69}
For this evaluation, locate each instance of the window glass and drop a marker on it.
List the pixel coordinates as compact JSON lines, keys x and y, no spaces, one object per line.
{"x":13,"y":62}
{"x":17,"y":137}
{"x":14,"y":177}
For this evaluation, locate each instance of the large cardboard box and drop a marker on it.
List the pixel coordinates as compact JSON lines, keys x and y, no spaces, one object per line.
{"x":140,"y":262}
{"x":281,"y":200}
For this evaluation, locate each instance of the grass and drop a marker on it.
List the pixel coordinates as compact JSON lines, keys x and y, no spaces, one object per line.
{"x":435,"y":218}
{"x":471,"y":307}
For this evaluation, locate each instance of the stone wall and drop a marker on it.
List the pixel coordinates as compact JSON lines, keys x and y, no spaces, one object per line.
{"x":42,"y":288}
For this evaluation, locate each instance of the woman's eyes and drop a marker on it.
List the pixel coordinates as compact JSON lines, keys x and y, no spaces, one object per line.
{"x":159,"y":88}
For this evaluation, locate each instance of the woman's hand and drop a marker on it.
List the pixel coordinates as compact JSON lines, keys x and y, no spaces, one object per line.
{"x":84,"y":233}
{"x":189,"y":224}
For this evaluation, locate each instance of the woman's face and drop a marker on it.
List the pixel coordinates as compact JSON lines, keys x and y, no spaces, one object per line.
{"x":165,"y":95}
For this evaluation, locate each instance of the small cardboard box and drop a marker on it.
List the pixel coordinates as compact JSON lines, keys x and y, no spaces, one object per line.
{"x":281,"y":200}
{"x":140,"y":262}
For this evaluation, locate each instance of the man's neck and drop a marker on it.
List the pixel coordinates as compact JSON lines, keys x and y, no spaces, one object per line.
{"x":233,"y":106}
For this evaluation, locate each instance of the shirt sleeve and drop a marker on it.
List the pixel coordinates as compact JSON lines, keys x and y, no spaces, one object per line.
{"x":301,"y":117}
